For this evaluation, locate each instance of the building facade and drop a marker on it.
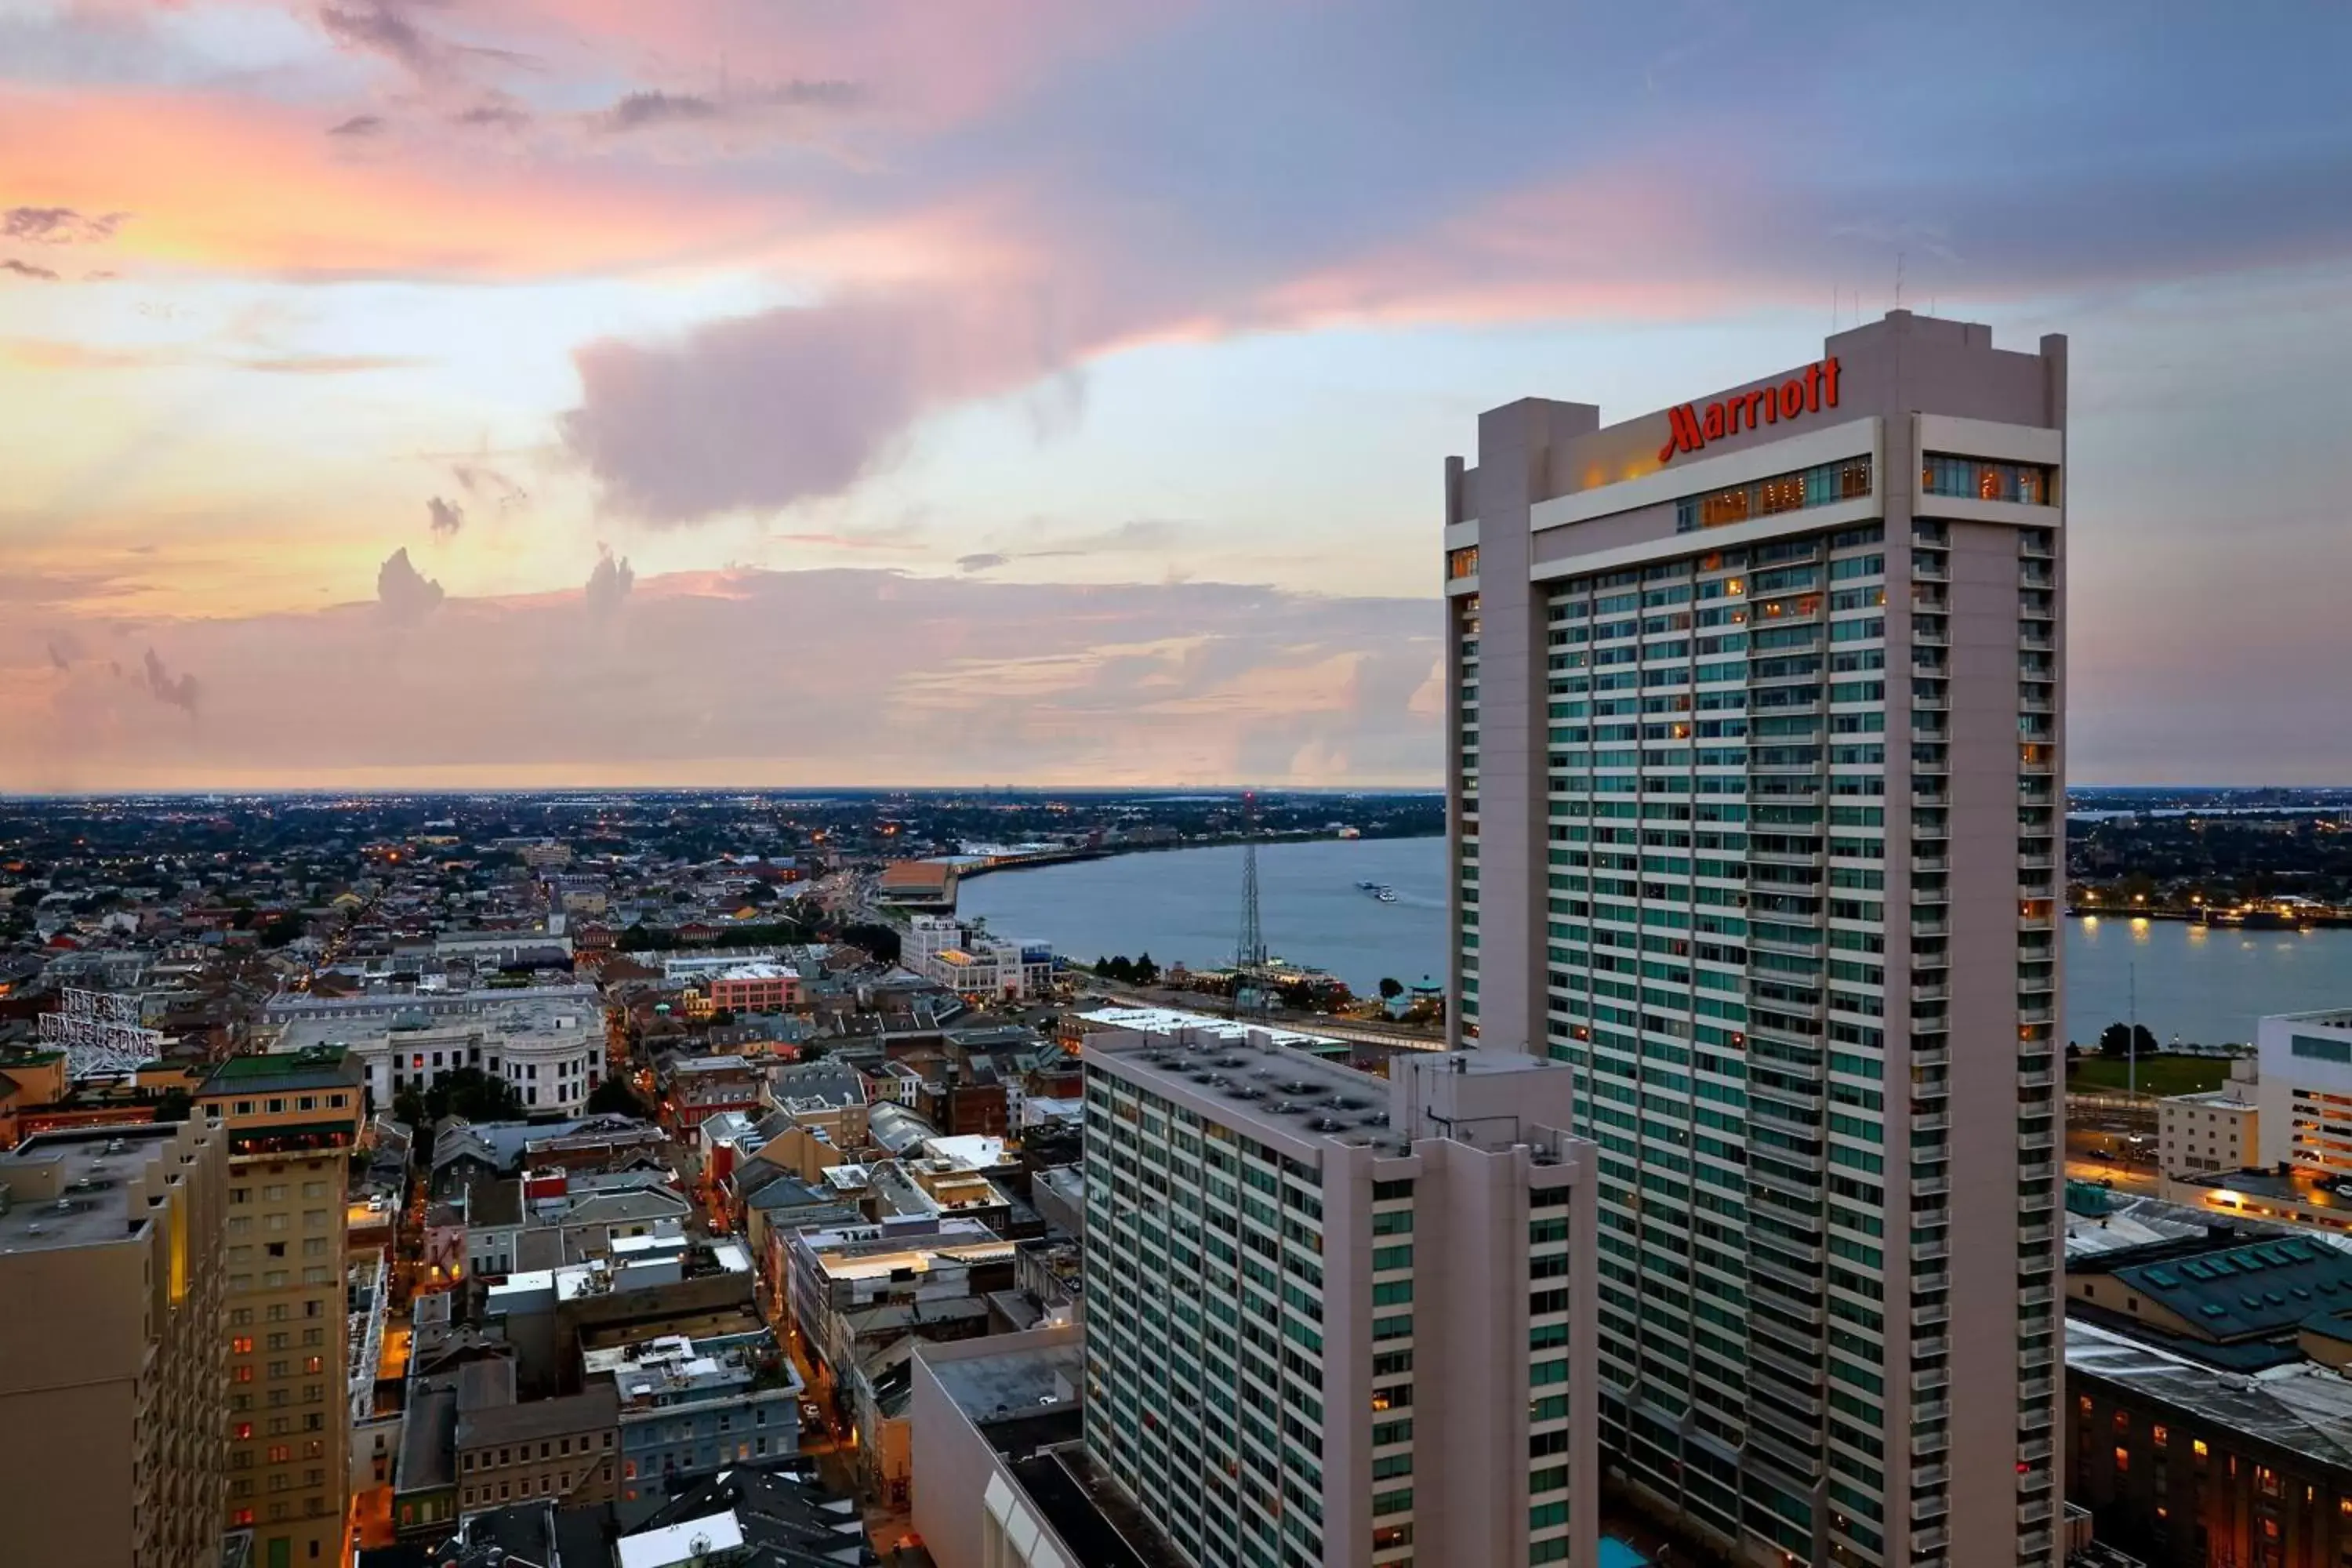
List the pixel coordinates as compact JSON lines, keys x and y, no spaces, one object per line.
{"x":689,"y":1407}
{"x":2304,"y":1091}
{"x":2215,"y":1131}
{"x":1338,"y":1320}
{"x":548,"y":1041}
{"x":112,"y":1367}
{"x":292,"y":1119}
{"x":565,"y":1447}
{"x":1755,"y":783}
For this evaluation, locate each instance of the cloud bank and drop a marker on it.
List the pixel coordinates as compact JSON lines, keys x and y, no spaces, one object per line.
{"x":847,"y":677}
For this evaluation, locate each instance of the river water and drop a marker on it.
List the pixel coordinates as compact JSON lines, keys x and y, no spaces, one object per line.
{"x":1186,"y":905}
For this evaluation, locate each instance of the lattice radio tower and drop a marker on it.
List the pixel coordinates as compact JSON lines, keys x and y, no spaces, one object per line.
{"x":1253,"y":996}
{"x":100,"y":1033}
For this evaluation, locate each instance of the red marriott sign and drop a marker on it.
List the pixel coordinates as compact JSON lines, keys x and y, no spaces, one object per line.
{"x":1808,"y":394}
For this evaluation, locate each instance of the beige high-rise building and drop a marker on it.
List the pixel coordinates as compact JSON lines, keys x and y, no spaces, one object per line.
{"x":1335,"y":1320}
{"x":291,"y":1119}
{"x":1757,"y":795}
{"x":111,"y":1366}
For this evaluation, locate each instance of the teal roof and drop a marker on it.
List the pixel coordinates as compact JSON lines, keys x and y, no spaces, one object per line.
{"x":2240,"y":1293}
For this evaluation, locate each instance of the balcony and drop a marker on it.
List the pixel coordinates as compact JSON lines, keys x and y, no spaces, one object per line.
{"x":2036,"y":1296}
{"x":1934,"y":1410}
{"x":1934,"y":1315}
{"x":1926,"y":1443}
{"x":1925,"y":1476}
{"x":2037,"y":1449}
{"x":1931,"y":1188}
{"x":2028,"y":639}
{"x":1931,"y":991}
{"x":1798,"y":1463}
{"x":1925,"y":1540}
{"x":2043,"y":1079}
{"x":2035,"y":1013}
{"x":1930,"y":795}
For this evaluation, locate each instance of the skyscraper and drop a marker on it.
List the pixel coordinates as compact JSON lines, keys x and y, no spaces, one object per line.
{"x":1756,"y":787}
{"x":1334,"y":1321}
{"x":292,"y":1119}
{"x":111,"y":1358}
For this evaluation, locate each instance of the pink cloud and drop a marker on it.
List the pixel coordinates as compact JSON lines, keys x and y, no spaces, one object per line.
{"x":955,"y":680}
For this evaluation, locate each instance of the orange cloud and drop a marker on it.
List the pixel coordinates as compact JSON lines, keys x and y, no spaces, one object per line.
{"x":249,"y":186}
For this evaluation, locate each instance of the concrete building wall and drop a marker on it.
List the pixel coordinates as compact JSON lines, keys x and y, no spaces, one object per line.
{"x":1424,"y":1271}
{"x":964,"y":1494}
{"x":110,"y":1348}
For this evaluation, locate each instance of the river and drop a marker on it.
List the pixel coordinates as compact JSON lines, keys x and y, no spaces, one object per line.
{"x":1186,"y":905}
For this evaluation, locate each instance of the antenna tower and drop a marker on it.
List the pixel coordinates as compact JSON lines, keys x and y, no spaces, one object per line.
{"x":1251,"y":997}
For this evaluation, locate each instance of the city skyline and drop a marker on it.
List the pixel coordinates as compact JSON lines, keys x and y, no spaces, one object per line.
{"x":506,"y":395}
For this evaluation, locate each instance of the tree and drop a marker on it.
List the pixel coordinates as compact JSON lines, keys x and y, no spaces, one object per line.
{"x":2114,"y":1040}
{"x":1145,"y":972}
{"x":614,"y":1097}
{"x":1392,"y":989}
{"x":879,"y":939}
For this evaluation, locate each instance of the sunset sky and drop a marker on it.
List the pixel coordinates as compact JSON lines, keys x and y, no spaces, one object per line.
{"x":412,"y":392}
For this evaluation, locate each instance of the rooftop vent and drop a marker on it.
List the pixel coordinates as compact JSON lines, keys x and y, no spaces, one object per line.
{"x":1326,"y":1124}
{"x":1246,"y":1092}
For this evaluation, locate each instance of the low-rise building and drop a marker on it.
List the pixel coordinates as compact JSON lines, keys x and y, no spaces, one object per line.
{"x":749,"y":1517}
{"x":754,"y":987}
{"x":688,"y":1408}
{"x":861,"y":1287}
{"x":565,"y":1447}
{"x":2219,"y":1131}
{"x":547,"y":1041}
{"x":695,"y":1088}
{"x":2207,"y":1418}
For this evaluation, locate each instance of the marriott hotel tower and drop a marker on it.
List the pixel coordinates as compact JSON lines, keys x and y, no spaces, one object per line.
{"x":1756,"y":776}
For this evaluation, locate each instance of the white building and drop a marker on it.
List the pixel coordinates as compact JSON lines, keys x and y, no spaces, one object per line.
{"x":973,"y":964}
{"x":2305,"y":1090}
{"x":548,"y":1042}
{"x":2212,"y":1131}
